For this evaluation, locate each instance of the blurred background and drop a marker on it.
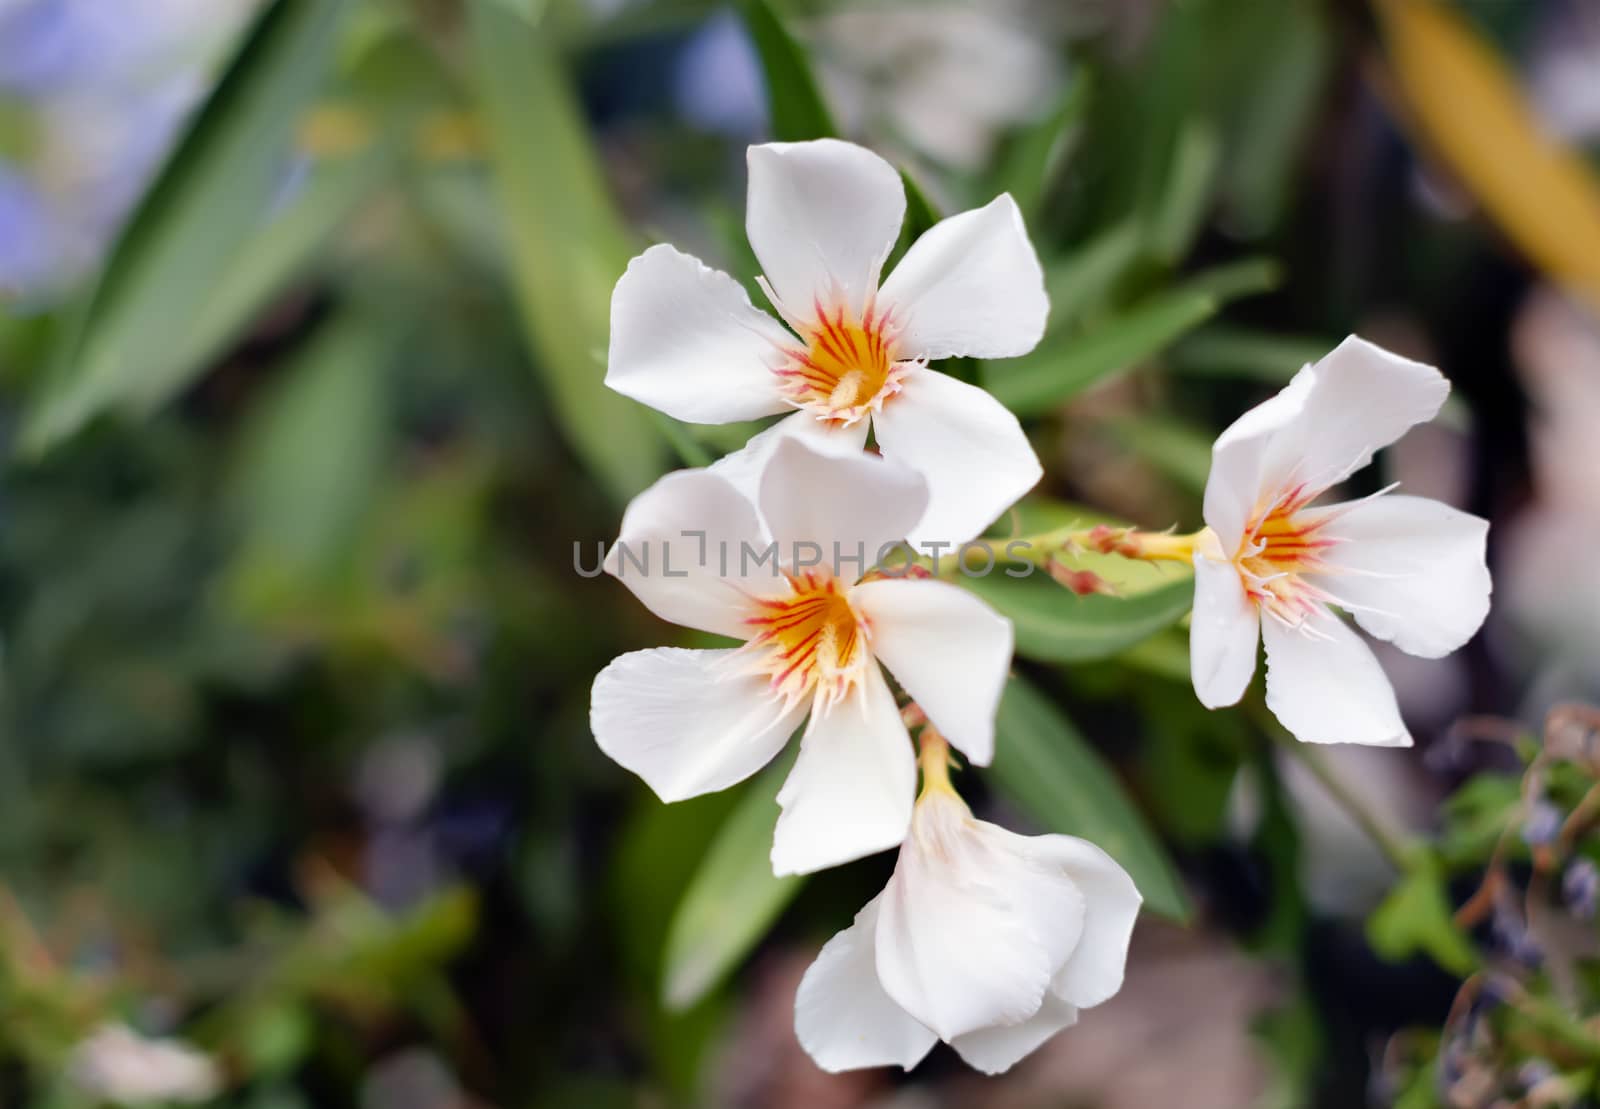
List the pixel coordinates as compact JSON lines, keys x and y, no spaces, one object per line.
{"x":303,"y":311}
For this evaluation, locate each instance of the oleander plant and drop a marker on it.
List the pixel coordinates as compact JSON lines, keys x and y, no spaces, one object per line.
{"x":656,"y":553}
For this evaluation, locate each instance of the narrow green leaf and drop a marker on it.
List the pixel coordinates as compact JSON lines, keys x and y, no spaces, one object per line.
{"x":1054,"y":624}
{"x":920,"y":212}
{"x":1176,"y":448}
{"x":1254,"y":355}
{"x":310,"y":457}
{"x":567,"y":244}
{"x":1044,"y":765}
{"x":206,"y":201}
{"x":794,"y":103}
{"x":265,"y":265}
{"x":1191,"y":184}
{"x":1084,"y":278}
{"x":1038,"y":151}
{"x":732,"y":899}
{"x":1060,"y":371}
{"x":1066,"y":366}
{"x":1243,"y":278}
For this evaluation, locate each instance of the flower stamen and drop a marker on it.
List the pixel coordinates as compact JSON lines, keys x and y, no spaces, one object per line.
{"x":1281,"y":544}
{"x":847,"y":368}
{"x":809,"y":640}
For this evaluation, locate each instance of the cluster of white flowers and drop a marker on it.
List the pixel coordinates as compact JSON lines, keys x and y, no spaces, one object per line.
{"x":985,"y":939}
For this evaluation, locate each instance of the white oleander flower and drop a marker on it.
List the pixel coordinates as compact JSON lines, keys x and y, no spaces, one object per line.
{"x":985,"y":939}
{"x":822,"y":218}
{"x":1270,"y":562}
{"x":790,"y":574}
{"x":118,"y":1065}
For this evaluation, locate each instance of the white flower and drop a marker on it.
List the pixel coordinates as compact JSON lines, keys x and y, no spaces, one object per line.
{"x":822,"y":218}
{"x":1410,"y":570}
{"x":985,"y":939}
{"x":694,"y":721}
{"x":118,"y":1065}
{"x":947,"y":78}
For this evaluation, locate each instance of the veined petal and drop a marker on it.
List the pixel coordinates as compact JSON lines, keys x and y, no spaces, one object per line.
{"x":1325,"y":685}
{"x":1236,"y":480}
{"x":1360,"y":398}
{"x":999,"y":1048}
{"x":971,"y":286}
{"x":1223,"y":633}
{"x":849,"y":507}
{"x":967,"y":445}
{"x":822,"y":217}
{"x":1410,"y":570}
{"x":947,"y":649}
{"x":1093,"y":970}
{"x":695,"y":580}
{"x":685,"y":721}
{"x":952,"y":950}
{"x":843,"y":1018}
{"x":686,"y":340}
{"x":743,"y":467}
{"x":852,"y":787}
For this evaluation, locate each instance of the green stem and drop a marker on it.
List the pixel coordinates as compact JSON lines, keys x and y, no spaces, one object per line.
{"x":1395,"y":849}
{"x":1039,"y":549}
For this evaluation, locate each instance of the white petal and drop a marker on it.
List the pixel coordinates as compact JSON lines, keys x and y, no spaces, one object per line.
{"x":971,"y":286}
{"x":1360,"y":398}
{"x":822,"y":217}
{"x":843,"y":1018}
{"x":1410,"y":570}
{"x":743,"y":467}
{"x":852,"y":787}
{"x":1235,"y":482}
{"x":686,"y":340}
{"x":967,"y":445}
{"x":843,"y":510}
{"x":684,"y":722}
{"x":692,"y":580}
{"x":1093,"y":971}
{"x":952,"y":949}
{"x":1223,"y":633}
{"x":997,"y":1049}
{"x":1040,"y":892}
{"x":1325,"y":686}
{"x":947,"y":649}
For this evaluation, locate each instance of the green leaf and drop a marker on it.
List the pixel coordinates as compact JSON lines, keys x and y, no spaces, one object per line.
{"x":189,"y":227}
{"x":1085,"y":277}
{"x":794,"y":104}
{"x":1053,"y":624}
{"x":567,"y":244}
{"x":310,"y":457}
{"x":1058,"y":372}
{"x":1238,"y":352}
{"x":1044,"y":765}
{"x":1416,"y":917}
{"x":1191,"y":184}
{"x":732,"y":900}
{"x":1036,"y":154}
{"x":1177,"y":449}
{"x":265,"y":265}
{"x":1061,"y":369}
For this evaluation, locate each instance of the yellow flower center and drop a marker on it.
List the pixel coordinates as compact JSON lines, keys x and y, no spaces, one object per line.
{"x":808,"y":639}
{"x":847,"y":368}
{"x":1280,"y":544}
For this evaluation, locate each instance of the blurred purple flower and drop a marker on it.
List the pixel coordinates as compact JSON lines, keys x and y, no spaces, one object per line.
{"x":718,"y":80}
{"x":104,"y":96}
